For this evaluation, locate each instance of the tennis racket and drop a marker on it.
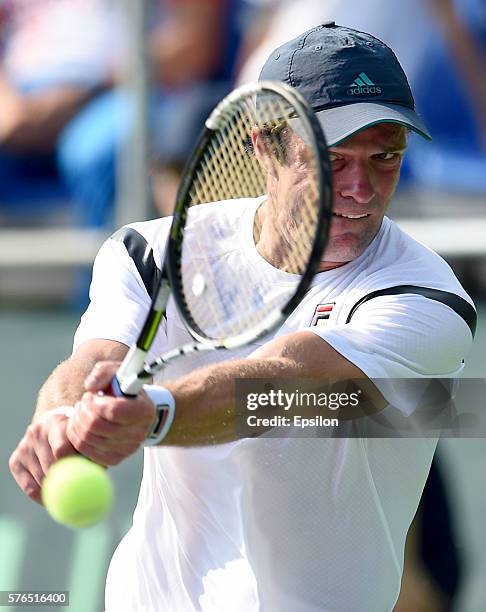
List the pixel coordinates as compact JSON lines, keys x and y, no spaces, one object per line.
{"x":263,"y":150}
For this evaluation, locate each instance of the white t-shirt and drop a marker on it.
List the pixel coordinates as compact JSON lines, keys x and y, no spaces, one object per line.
{"x":283,"y":525}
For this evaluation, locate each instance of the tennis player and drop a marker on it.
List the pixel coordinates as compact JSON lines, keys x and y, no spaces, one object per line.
{"x":281,"y":525}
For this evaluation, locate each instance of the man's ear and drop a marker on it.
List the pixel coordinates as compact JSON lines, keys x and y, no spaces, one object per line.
{"x":263,"y":152}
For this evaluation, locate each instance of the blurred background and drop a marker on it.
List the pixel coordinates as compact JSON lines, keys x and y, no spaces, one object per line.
{"x":100,"y":104}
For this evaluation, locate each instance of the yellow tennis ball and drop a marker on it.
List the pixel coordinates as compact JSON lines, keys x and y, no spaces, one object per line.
{"x":77,"y":492}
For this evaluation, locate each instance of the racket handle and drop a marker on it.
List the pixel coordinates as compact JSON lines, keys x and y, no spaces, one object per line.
{"x":116,"y":389}
{"x":126,"y":382}
{"x":129,"y":387}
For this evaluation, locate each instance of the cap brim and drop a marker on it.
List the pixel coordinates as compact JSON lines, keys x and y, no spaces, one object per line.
{"x":342,"y":122}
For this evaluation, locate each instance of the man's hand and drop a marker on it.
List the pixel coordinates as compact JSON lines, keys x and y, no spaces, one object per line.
{"x":44,"y":442}
{"x":46,"y":439}
{"x":108,"y":429}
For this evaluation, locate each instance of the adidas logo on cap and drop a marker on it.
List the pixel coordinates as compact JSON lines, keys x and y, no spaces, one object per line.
{"x":362,"y":84}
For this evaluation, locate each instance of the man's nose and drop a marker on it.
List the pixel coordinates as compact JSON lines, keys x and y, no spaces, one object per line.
{"x":356,"y":182}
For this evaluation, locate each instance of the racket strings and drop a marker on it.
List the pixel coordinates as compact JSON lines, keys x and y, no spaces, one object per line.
{"x":228,"y":172}
{"x":224,"y":293}
{"x":303,"y":216}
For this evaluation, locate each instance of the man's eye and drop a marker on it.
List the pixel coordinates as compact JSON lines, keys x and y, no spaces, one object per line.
{"x":387,"y":156}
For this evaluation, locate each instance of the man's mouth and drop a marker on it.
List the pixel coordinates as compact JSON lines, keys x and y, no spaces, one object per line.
{"x":362,"y":216}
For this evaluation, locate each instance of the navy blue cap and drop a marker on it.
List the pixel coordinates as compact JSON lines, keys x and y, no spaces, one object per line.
{"x":351,"y":79}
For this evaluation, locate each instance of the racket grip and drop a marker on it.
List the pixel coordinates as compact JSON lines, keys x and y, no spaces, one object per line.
{"x":131,"y":386}
{"x":116,"y":390}
{"x":126,"y":382}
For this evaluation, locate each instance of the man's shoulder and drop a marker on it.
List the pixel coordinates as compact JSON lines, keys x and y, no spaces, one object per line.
{"x":394,"y":260}
{"x":405,"y":246}
{"x":149,"y":233}
{"x":228,"y":213}
{"x":400,"y":259}
{"x":156,"y":231}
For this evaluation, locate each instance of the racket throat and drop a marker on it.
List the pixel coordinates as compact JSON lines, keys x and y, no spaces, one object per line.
{"x":155,"y":315}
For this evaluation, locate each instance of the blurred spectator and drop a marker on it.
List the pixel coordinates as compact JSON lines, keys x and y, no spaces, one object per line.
{"x":462,"y":46}
{"x":62,"y":123}
{"x":191,"y":45}
{"x":56,"y":57}
{"x":193,"y":51}
{"x":451,"y":95}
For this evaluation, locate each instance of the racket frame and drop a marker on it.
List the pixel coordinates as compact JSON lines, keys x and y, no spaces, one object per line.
{"x":133,"y":372}
{"x":325,"y":191}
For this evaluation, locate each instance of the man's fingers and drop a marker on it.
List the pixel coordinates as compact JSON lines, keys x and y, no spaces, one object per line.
{"x":27,"y":483}
{"x":44,"y":442}
{"x":112,"y":433}
{"x":102,"y":456}
{"x":123,"y":439}
{"x":24,"y":459}
{"x":60,"y":445}
{"x":100,"y":377}
{"x":107,"y":429}
{"x":115,"y":410}
{"x":40,"y":452}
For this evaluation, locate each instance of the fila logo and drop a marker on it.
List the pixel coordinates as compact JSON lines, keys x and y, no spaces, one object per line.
{"x":362,"y":84}
{"x":322,"y":314}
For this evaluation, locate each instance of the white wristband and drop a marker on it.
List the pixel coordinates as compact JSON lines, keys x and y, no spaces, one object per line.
{"x":165,"y":410}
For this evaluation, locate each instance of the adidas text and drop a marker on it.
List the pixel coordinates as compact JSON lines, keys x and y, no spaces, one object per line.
{"x":356,"y":91}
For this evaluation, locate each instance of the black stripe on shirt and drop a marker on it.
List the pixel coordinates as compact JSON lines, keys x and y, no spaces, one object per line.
{"x":142,"y":256}
{"x":457,"y":303}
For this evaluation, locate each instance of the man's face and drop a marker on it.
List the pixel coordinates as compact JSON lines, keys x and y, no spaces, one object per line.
{"x":366,"y":169}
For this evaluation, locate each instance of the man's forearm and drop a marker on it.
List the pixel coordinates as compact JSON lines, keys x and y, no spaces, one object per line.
{"x":64,"y":387}
{"x":205,"y":399}
{"x":206,"y":410}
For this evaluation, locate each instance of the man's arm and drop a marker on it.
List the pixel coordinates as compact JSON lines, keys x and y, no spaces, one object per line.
{"x":65,"y":385}
{"x":45,"y":440}
{"x":205,"y":398}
